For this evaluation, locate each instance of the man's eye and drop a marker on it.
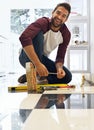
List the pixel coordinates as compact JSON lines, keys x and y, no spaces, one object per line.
{"x":58,"y":12}
{"x":64,"y":16}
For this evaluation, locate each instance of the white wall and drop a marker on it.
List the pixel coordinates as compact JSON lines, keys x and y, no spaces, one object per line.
{"x":92,"y":34}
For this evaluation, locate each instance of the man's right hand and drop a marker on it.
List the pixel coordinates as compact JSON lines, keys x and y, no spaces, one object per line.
{"x":42,"y":70}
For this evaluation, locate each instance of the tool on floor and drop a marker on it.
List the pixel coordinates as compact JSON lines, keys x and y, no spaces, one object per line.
{"x":32,"y":86}
{"x":40,"y":87}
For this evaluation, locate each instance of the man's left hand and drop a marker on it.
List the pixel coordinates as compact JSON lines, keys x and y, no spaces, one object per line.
{"x":60,"y":73}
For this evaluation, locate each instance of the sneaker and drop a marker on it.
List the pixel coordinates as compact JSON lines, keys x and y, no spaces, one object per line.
{"x":22,"y":79}
{"x":40,"y":80}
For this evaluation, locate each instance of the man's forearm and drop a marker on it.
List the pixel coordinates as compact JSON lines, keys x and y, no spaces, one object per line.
{"x":29,"y":50}
{"x":59,"y":65}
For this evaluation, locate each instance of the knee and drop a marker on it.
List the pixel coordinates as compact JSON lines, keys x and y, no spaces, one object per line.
{"x":70,"y":77}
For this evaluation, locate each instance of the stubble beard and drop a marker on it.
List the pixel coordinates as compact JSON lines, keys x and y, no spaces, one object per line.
{"x":55,"y":25}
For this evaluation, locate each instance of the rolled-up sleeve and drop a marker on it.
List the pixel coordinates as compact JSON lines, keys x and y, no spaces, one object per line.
{"x":63,"y":46}
{"x":31,"y":31}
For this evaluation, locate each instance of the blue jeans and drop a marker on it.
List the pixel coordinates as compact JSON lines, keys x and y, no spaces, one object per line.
{"x":50,"y":65}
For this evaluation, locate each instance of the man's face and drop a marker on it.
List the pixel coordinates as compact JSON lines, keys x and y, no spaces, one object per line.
{"x":59,"y":16}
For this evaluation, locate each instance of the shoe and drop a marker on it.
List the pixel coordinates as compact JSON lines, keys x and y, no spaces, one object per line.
{"x":22,"y":79}
{"x":40,"y":80}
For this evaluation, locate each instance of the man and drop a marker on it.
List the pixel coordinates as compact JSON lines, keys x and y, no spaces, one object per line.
{"x":43,"y":36}
{"x":40,"y":38}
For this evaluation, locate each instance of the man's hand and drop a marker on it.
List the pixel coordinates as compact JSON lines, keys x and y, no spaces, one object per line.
{"x":60,"y":73}
{"x":42,"y":70}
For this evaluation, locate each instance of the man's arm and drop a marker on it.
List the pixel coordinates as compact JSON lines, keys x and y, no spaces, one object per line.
{"x":60,"y":72}
{"x":40,"y":68}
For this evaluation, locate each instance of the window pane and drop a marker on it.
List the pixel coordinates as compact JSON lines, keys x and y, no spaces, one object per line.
{"x":78,"y":60}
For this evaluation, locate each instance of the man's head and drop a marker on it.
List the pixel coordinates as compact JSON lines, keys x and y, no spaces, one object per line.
{"x":60,"y":15}
{"x":65,"y":5}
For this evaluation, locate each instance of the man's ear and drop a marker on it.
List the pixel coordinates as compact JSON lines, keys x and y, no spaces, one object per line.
{"x":52,"y":12}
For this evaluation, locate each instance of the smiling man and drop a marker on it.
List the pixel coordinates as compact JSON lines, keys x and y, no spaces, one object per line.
{"x":40,"y":38}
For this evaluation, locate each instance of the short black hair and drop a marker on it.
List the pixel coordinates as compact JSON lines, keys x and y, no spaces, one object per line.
{"x":65,"y":5}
